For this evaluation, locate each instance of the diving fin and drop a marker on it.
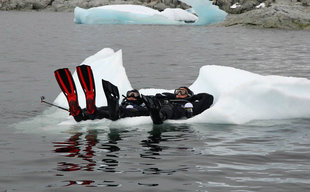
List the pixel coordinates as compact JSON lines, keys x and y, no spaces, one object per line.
{"x":112,"y":95}
{"x":66,"y":83}
{"x":154,"y":106}
{"x":87,"y":81}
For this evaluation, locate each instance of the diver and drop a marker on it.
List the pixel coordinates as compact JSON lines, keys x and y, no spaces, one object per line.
{"x":181,"y":104}
{"x":131,"y":106}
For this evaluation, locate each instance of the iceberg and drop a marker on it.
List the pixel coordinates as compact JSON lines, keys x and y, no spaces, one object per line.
{"x":137,"y":14}
{"x":240,"y":96}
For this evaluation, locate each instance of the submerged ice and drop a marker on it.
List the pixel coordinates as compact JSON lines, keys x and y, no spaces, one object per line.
{"x":240,"y":96}
{"x":137,"y":14}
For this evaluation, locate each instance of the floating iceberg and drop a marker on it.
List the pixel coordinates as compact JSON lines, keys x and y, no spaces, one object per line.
{"x":137,"y":14}
{"x":240,"y":96}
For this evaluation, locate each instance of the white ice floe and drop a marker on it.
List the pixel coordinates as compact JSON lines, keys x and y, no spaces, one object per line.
{"x":137,"y":14}
{"x":240,"y":96}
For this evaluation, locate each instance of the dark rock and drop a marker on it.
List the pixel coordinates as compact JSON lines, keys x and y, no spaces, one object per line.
{"x":282,"y":14}
{"x":69,"y":5}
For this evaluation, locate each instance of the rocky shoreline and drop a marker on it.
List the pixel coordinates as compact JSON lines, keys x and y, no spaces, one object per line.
{"x":281,"y":14}
{"x":69,"y":5}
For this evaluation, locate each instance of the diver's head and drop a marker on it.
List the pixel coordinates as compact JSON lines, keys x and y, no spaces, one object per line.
{"x":183,"y":92}
{"x":133,"y":95}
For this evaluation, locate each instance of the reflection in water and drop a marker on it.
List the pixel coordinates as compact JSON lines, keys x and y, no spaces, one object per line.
{"x":149,"y":185}
{"x":154,"y":148}
{"x":152,"y":144}
{"x":110,"y":162}
{"x":114,"y":136}
{"x":72,"y":147}
{"x":77,"y":147}
{"x":81,"y":182}
{"x":104,"y":156}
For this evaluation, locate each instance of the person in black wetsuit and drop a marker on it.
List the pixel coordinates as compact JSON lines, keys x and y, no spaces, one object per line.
{"x":183,"y":103}
{"x":131,"y":106}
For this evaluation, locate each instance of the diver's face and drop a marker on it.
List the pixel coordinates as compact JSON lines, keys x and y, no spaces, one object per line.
{"x":131,"y":98}
{"x":181,"y":93}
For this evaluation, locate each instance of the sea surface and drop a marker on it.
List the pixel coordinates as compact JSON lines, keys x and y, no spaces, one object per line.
{"x":261,"y":156}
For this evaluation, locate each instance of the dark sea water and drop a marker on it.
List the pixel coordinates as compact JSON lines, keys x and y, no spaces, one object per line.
{"x":262,"y":156}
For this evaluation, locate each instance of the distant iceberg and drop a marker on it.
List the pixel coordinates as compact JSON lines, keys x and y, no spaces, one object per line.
{"x":137,"y":14}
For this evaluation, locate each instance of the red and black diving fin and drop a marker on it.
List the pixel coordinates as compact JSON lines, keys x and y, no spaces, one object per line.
{"x":87,"y":81}
{"x":112,"y":94}
{"x":66,"y":83}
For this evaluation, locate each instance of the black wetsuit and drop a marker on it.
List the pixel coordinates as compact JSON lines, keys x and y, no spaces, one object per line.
{"x":134,"y":108}
{"x":114,"y":111}
{"x":173,"y":108}
{"x":126,"y":109}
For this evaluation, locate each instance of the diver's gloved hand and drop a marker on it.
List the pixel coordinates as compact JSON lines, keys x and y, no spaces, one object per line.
{"x":153,"y":105}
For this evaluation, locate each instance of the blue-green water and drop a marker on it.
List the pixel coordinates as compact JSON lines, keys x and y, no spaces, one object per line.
{"x":259,"y":156}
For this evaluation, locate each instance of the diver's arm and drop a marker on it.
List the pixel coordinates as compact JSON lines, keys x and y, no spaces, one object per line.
{"x":201,"y":102}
